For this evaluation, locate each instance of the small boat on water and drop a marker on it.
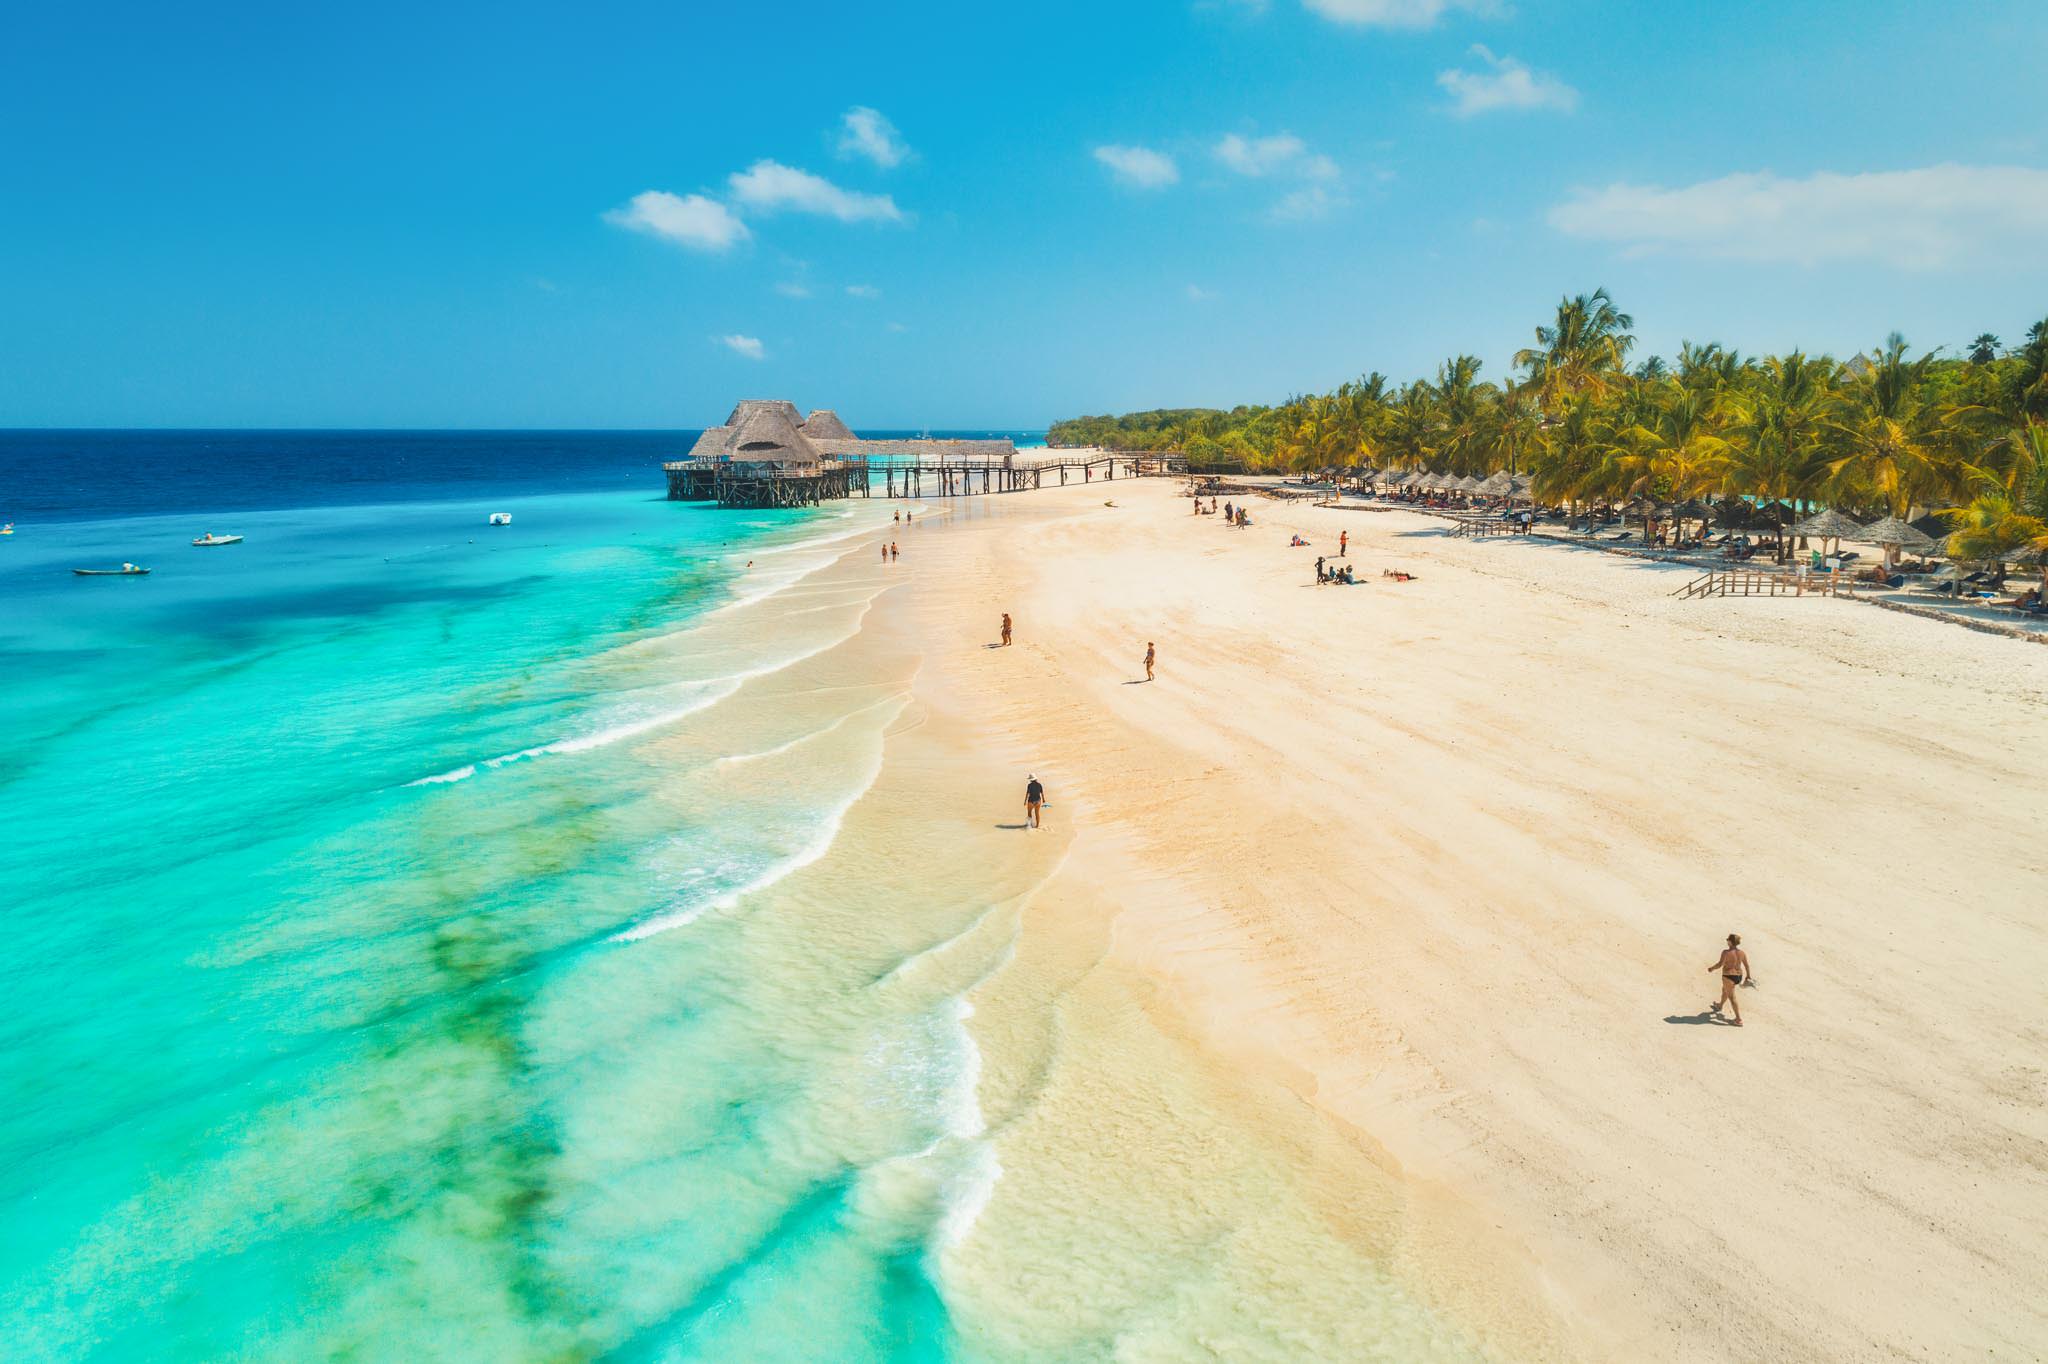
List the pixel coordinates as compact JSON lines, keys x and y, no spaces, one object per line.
{"x":124,"y":571}
{"x":7,"y":529}
{"x":211,"y":539}
{"x":501,"y":518}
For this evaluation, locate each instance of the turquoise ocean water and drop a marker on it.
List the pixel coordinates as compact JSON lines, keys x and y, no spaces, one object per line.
{"x":336,"y":1025}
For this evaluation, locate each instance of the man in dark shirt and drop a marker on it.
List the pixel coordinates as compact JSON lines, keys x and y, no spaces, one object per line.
{"x":1034,"y":797}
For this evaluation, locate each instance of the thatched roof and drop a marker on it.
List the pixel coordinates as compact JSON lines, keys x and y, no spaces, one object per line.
{"x":766,"y":432}
{"x":1524,"y":483}
{"x":1829,"y":525}
{"x":1640,"y":505}
{"x":713,"y":443}
{"x":1500,"y":485}
{"x":1690,"y":510}
{"x":824,"y":424}
{"x":1892,"y":531}
{"x":749,"y":407}
{"x":1467,"y":484}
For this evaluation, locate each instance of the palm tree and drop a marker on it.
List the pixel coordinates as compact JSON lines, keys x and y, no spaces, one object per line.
{"x":1996,"y":527}
{"x":1460,"y":400}
{"x":1889,"y":434}
{"x":1409,"y":438}
{"x":1984,"y":349}
{"x":1772,"y":435}
{"x":1581,"y":352}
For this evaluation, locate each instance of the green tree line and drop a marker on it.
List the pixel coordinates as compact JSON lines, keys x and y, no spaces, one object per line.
{"x":1884,"y":433}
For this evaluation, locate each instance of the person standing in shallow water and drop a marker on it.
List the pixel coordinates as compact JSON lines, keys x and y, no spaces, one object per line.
{"x":1034,"y":800}
{"x":1734,"y":968}
{"x":1006,"y":629}
{"x":1150,"y":655}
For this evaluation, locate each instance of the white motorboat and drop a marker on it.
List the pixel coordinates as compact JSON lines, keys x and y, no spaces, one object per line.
{"x":501,"y":518}
{"x":211,"y":539}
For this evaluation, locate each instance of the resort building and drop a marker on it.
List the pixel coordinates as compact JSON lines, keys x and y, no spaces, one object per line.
{"x":768,"y":454}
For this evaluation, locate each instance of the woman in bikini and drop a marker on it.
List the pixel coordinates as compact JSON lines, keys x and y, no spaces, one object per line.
{"x":1734,"y":969}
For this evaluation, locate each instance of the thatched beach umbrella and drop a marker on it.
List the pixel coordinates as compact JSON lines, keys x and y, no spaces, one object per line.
{"x":1894,"y":535}
{"x":1500,"y":485}
{"x":1735,"y":514}
{"x":1828,"y":525}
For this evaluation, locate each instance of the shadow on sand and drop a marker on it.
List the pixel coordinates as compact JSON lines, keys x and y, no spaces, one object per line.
{"x":1706,"y":1016}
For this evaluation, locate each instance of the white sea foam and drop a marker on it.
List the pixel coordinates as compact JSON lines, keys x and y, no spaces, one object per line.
{"x":599,"y":738}
{"x":821,"y":840}
{"x":735,"y":759}
{"x":463,"y":773}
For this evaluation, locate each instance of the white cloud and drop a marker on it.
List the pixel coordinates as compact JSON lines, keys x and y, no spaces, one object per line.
{"x":1392,"y":13}
{"x":771,"y":187}
{"x":1139,"y":167}
{"x":865,"y":132}
{"x":1282,"y":153}
{"x":749,"y":346}
{"x":694,"y":221}
{"x":863,"y":291}
{"x":1197,"y":294}
{"x":1504,"y":84}
{"x":791,"y":288}
{"x":1304,"y":205}
{"x":898,"y":327}
{"x":1913,"y":219}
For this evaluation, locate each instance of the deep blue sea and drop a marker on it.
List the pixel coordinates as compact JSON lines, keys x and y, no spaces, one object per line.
{"x":336,"y":1021}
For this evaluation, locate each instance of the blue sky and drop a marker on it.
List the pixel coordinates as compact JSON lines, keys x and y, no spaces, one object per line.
{"x":629,"y":215}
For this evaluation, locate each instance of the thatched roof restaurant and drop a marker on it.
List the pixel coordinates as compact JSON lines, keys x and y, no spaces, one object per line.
{"x":768,"y":454}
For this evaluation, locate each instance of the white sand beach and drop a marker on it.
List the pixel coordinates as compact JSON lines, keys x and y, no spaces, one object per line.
{"x":1411,"y":889}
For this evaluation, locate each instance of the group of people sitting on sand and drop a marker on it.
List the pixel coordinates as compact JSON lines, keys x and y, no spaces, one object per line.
{"x":1236,"y":516}
{"x":1333,"y":573}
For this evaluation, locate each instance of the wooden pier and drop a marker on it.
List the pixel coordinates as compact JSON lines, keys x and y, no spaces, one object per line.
{"x":774,"y":483}
{"x":985,"y":477}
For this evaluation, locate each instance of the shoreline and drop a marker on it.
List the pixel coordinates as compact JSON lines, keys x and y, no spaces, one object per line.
{"x":1444,"y":786}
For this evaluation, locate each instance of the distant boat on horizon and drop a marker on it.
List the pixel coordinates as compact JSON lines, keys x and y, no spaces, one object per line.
{"x":124,"y":571}
{"x":211,"y":539}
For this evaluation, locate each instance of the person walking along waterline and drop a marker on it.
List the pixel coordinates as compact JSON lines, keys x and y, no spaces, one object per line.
{"x":1006,"y":629}
{"x":1734,"y":968}
{"x":1150,"y":655}
{"x":1343,"y":544}
{"x":1034,"y":800}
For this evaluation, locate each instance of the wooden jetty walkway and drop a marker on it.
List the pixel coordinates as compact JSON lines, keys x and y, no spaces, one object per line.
{"x":979,"y":477}
{"x":806,"y":483}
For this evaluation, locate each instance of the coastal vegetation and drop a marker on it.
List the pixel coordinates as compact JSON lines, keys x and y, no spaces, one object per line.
{"x":1885,"y":433}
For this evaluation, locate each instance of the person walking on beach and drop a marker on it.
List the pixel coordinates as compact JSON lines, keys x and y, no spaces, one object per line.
{"x":1034,"y":800}
{"x":1150,"y":655}
{"x":894,"y":553}
{"x":1320,"y":575}
{"x":1344,"y":544}
{"x":1734,"y":968}
{"x":1006,"y":629}
{"x":897,"y":516}
{"x":885,"y":551}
